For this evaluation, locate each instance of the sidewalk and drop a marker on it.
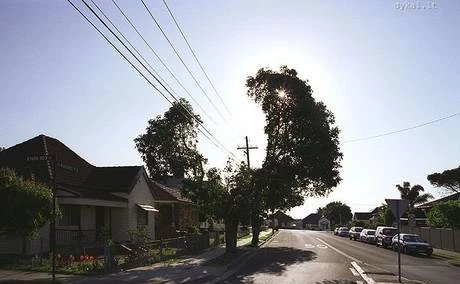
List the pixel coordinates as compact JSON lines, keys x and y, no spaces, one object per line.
{"x":187,"y":270}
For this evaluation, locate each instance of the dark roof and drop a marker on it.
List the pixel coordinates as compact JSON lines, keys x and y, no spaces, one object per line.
{"x":72,"y":171}
{"x":281,"y":216}
{"x":113,"y":179}
{"x":164,"y":193}
{"x":362,"y":215}
{"x":313,"y":218}
{"x":430,"y":204}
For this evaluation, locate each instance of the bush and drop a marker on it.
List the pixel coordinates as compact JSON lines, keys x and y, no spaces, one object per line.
{"x":445,"y":215}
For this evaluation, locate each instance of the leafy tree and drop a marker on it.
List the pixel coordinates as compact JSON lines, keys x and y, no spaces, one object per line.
{"x":226,"y":196}
{"x":413,"y":194}
{"x":384,"y":217}
{"x":169,"y":146}
{"x":337,"y":212}
{"x":448,"y":179}
{"x":25,"y":206}
{"x":2,"y":148}
{"x":445,"y":215}
{"x":302,"y":153}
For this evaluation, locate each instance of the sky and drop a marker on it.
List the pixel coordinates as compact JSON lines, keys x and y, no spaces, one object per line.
{"x":379,"y":66}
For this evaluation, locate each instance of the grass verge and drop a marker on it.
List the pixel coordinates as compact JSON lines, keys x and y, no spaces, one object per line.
{"x":452,"y":257}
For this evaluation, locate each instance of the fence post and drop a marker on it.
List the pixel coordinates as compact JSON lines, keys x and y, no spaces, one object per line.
{"x":161,"y":249}
{"x":440,"y":237}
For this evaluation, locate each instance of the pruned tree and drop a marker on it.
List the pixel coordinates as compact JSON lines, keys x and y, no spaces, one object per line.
{"x":302,"y":153}
{"x":448,"y":179}
{"x":169,"y":145}
{"x":25,"y":206}
{"x":413,"y":194}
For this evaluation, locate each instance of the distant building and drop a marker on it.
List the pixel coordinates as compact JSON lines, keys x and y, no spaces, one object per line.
{"x":314,"y":221}
{"x":282,"y":220}
{"x":364,"y":217}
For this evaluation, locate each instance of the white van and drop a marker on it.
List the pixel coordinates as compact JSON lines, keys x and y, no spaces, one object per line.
{"x":383,"y":235}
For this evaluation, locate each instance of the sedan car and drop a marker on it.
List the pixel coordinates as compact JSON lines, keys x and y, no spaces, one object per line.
{"x":342,"y":232}
{"x":354,"y":232}
{"x":367,"y":236}
{"x":411,"y":243}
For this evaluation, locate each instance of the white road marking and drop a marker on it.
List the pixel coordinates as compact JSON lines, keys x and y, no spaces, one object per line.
{"x":310,"y":246}
{"x":321,"y":246}
{"x":361,"y":273}
{"x":339,"y":251}
{"x":354,"y":272}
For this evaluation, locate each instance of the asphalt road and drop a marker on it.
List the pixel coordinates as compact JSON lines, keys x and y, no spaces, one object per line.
{"x":296,"y":256}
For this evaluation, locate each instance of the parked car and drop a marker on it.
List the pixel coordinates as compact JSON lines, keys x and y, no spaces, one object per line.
{"x":336,"y":231}
{"x":342,"y":232}
{"x":354,"y":232}
{"x":384,"y":235}
{"x":367,"y":236}
{"x":411,"y":243}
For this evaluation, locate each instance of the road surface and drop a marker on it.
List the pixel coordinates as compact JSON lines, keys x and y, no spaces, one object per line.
{"x":297,"y":256}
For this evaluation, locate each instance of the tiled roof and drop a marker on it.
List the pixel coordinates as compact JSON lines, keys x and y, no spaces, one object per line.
{"x":164,"y":193}
{"x":362,"y":215}
{"x":430,"y":204}
{"x":281,"y":216}
{"x":72,"y":171}
{"x":313,"y":218}
{"x":113,"y":179}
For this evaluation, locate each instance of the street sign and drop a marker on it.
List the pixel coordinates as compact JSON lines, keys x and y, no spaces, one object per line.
{"x":397,"y":206}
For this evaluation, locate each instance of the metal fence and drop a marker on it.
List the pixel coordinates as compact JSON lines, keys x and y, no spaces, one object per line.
{"x":441,"y":238}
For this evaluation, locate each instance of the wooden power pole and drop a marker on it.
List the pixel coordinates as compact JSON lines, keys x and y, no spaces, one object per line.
{"x":246,"y":150}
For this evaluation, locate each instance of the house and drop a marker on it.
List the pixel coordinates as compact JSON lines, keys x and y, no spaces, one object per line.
{"x":315,"y":221}
{"x":177,"y":213}
{"x":430,"y":204}
{"x":94,"y":201}
{"x":282,"y":220}
{"x":364,"y":217}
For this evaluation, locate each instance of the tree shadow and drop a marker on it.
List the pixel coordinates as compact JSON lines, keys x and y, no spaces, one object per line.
{"x":272,"y":260}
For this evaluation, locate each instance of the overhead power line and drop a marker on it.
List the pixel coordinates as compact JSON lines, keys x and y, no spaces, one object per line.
{"x":162,"y":62}
{"x":183,"y":62}
{"x":196,"y":58}
{"x":218,"y":145}
{"x":402,"y":130}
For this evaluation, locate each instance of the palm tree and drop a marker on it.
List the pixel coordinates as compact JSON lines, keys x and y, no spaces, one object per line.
{"x":413,"y":194}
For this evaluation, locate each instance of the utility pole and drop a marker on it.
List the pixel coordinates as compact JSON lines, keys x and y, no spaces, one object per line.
{"x":246,"y":150}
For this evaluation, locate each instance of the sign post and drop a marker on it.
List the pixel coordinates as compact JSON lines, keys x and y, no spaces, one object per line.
{"x":398,"y":207}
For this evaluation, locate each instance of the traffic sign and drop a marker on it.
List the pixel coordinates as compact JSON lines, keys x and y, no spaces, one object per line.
{"x":398,"y":206}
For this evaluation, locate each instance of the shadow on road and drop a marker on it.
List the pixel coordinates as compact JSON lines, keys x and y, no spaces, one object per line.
{"x":272,"y":260}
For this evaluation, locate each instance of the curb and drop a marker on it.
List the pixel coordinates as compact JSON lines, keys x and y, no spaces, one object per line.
{"x":241,"y":261}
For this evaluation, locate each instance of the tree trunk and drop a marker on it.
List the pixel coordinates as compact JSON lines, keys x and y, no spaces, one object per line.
{"x":256,"y":223}
{"x":231,"y":228}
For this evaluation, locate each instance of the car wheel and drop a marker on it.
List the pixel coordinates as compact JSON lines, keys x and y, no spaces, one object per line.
{"x":429,"y":253}
{"x":405,"y":250}
{"x":395,"y":247}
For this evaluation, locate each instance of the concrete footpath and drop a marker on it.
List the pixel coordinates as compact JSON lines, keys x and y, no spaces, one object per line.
{"x":186,"y":270}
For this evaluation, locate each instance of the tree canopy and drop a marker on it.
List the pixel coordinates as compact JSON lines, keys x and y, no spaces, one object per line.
{"x":445,"y":215}
{"x":302,"y":154}
{"x":25,"y":206}
{"x":413,"y":194}
{"x":169,"y":146}
{"x":337,"y":212}
{"x":448,"y":179}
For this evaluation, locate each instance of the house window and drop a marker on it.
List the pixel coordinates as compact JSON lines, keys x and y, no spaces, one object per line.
{"x":70,"y":215}
{"x":142,"y":217}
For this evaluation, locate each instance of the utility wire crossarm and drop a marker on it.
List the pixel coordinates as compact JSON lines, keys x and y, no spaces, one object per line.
{"x":246,"y":150}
